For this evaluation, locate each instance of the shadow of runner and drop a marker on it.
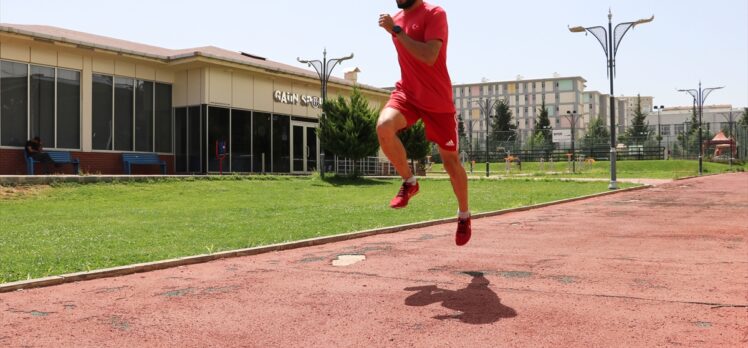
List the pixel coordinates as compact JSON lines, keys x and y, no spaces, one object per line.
{"x":475,"y":304}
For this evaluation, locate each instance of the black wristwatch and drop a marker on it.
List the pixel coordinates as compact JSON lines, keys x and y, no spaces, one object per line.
{"x":397,"y":29}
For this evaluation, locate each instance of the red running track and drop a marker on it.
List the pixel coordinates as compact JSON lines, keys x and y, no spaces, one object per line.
{"x":666,"y":266}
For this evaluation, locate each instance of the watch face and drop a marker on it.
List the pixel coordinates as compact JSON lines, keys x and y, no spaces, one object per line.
{"x":397,"y":29}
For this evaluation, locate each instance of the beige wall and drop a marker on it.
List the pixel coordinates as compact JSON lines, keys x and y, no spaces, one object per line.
{"x":255,"y":91}
{"x":567,"y":97}
{"x":195,"y":87}
{"x":550,"y":98}
{"x":263,"y":94}
{"x":243,"y":94}
{"x":219,"y":86}
{"x":15,"y":50}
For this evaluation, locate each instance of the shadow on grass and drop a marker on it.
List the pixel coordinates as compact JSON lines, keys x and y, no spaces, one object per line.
{"x":338,"y":180}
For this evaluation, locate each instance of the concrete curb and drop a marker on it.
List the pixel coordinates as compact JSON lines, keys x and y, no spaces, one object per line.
{"x":190,"y":260}
{"x":93,"y":179}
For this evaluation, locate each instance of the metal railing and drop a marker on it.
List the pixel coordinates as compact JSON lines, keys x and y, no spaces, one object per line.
{"x":369,"y":166}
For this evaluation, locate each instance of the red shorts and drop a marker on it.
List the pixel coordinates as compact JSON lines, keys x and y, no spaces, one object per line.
{"x":441,"y":128}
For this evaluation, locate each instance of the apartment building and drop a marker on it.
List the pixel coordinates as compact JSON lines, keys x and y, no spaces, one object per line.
{"x":525,"y":98}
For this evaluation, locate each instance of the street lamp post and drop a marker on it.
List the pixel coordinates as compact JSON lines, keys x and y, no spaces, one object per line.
{"x":572,"y":117}
{"x":486,"y":105}
{"x":699,"y":97}
{"x":610,"y":46}
{"x":324,"y":69}
{"x":659,"y":126}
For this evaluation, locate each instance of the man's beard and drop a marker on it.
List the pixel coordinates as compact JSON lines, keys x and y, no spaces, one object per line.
{"x":406,"y":5}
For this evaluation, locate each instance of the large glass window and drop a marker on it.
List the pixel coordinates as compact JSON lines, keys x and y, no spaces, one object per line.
{"x":123,"y":113}
{"x":194,"y":139}
{"x":281,"y":144}
{"x":68,"y":109}
{"x":163,"y":118}
{"x":13,"y":103}
{"x":103,"y":89}
{"x":140,"y":111}
{"x":180,"y":139}
{"x":143,"y":116}
{"x":42,"y":104}
{"x":241,"y":141}
{"x":218,"y":132}
{"x":261,"y":137}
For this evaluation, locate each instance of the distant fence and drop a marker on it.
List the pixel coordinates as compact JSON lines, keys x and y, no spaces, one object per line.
{"x":376,"y":166}
{"x":370,"y":166}
{"x":597,"y":153}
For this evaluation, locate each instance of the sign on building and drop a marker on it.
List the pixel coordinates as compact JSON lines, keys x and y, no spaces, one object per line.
{"x":294,"y":99}
{"x":562,"y":135}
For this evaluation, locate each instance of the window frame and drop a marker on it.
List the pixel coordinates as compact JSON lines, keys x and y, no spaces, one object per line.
{"x":56,"y":69}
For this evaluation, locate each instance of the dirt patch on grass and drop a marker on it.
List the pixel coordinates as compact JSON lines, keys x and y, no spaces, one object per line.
{"x":21,"y":191}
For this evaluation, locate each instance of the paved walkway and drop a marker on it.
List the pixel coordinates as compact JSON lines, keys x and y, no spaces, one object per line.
{"x":666,"y":266}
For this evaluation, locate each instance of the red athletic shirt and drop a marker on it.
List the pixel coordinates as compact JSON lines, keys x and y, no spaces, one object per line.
{"x":427,"y":87}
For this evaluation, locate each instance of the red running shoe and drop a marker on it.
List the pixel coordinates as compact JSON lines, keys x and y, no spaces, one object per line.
{"x":406,"y":192}
{"x":464,"y":231}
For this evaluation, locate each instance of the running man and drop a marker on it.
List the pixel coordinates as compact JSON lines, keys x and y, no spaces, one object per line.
{"x":420,"y":34}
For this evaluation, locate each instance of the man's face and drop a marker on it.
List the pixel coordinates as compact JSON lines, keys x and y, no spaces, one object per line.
{"x":405,"y":4}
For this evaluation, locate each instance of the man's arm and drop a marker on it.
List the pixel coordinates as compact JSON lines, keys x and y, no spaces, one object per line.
{"x":426,"y":52}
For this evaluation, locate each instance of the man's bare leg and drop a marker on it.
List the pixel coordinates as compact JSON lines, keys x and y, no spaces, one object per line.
{"x":457,"y":176}
{"x":390,"y":122}
{"x":460,"y":186}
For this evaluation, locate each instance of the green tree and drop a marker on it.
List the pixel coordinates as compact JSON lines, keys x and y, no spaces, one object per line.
{"x":502,"y":127}
{"x":744,"y":118}
{"x":461,"y":131}
{"x":638,"y":132}
{"x":694,"y":127}
{"x":597,"y":135}
{"x":416,"y":145}
{"x":543,"y":125}
{"x":538,"y":142}
{"x":348,"y":128}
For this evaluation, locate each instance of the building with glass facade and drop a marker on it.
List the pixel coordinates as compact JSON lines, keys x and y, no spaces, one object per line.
{"x":99,"y":97}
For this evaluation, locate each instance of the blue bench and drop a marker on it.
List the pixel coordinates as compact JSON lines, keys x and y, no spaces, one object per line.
{"x":128,"y":159}
{"x":59,"y":157}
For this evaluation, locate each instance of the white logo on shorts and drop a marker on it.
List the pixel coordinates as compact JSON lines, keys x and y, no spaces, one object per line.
{"x":450,"y":143}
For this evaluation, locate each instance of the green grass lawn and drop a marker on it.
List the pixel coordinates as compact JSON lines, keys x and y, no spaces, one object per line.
{"x":69,"y":228}
{"x":671,"y":169}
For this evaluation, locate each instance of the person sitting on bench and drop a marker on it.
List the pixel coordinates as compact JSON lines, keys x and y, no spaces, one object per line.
{"x":35,"y":150}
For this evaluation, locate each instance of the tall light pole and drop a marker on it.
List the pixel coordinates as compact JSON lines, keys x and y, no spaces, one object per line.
{"x":486,"y":105}
{"x":659,"y":125}
{"x":324,"y":69}
{"x":572,"y":117}
{"x":611,"y":40}
{"x":699,"y":97}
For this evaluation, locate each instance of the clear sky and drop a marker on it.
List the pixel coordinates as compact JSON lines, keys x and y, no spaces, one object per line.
{"x":688,"y":41}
